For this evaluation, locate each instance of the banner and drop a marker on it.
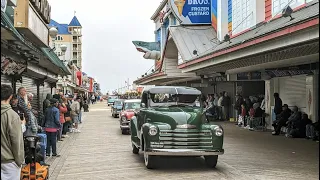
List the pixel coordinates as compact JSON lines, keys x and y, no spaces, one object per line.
{"x":192,"y":11}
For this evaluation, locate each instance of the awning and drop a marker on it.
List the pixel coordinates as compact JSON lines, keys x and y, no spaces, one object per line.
{"x":6,"y":22}
{"x":192,"y":41}
{"x":264,"y":32}
{"x":55,"y":60}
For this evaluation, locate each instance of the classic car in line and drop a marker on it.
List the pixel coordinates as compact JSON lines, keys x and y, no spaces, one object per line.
{"x":172,"y":122}
{"x":116,"y":107}
{"x":128,"y":109}
{"x":111,"y":100}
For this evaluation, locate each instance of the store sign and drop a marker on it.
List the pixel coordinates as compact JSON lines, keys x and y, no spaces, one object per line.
{"x":218,"y":79}
{"x":3,"y":5}
{"x":43,"y":8}
{"x":192,"y":11}
{"x":249,"y":76}
{"x":292,"y":71}
{"x":31,"y":20}
{"x":37,"y":26}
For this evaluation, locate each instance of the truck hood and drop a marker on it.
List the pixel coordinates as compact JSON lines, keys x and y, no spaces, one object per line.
{"x":175,"y":116}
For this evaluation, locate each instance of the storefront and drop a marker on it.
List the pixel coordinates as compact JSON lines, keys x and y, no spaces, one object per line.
{"x":297,"y":86}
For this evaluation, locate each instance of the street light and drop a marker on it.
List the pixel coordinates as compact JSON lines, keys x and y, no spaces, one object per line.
{"x":63,"y":48}
{"x":53,"y":32}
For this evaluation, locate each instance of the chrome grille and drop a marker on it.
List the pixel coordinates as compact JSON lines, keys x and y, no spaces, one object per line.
{"x":186,"y":139}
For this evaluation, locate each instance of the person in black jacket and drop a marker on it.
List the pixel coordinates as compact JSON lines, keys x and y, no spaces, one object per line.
{"x":277,"y":104}
{"x":281,"y":119}
{"x":226,"y":103}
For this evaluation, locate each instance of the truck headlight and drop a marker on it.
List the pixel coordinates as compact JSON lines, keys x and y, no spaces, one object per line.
{"x":153,"y":131}
{"x":218,"y":131}
{"x":123,"y":118}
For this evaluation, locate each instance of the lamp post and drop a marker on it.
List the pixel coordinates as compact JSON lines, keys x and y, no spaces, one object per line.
{"x":53,"y":32}
{"x":63,"y":48}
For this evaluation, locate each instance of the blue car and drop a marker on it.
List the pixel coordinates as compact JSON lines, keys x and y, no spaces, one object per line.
{"x":112,"y":99}
{"x":116,"y":107}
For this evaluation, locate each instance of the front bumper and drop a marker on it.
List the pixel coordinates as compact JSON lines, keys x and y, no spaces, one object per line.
{"x":184,"y":152}
{"x":125,"y":124}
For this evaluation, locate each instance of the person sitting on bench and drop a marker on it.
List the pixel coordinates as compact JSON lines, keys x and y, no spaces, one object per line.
{"x":281,"y":119}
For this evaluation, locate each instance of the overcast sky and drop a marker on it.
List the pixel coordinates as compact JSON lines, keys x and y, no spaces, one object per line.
{"x":108,"y":29}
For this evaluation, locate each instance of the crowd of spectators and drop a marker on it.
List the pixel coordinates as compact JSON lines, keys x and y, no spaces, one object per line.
{"x":60,"y":115}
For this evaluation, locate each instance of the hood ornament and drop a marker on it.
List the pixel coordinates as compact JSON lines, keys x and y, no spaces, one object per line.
{"x":186,"y":126}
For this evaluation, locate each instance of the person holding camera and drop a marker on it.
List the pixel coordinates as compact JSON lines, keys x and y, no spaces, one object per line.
{"x":12,"y":145}
{"x":20,"y":111}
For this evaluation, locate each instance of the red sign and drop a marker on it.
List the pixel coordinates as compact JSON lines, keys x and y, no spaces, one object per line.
{"x":91,"y":85}
{"x":79,"y":78}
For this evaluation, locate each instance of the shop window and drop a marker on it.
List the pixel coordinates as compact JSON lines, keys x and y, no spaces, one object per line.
{"x":242,"y":15}
{"x":279,"y":5}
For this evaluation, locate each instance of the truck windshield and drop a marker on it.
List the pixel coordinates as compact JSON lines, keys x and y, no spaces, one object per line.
{"x":175,"y":99}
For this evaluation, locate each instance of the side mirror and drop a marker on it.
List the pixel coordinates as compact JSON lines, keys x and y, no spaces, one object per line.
{"x":143,"y":105}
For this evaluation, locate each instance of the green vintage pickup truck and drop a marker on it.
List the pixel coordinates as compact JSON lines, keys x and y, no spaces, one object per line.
{"x":172,"y":122}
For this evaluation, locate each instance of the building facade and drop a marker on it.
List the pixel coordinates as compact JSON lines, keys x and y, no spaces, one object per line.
{"x":251,"y":47}
{"x":69,"y":35}
{"x":26,"y":57}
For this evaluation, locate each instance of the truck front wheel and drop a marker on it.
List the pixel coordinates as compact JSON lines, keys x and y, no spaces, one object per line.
{"x":149,"y":161}
{"x":211,"y":161}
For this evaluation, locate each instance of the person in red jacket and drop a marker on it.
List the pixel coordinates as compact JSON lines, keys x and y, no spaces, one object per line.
{"x":62,"y":109}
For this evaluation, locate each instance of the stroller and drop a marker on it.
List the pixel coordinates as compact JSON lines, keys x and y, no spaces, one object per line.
{"x":33,"y":170}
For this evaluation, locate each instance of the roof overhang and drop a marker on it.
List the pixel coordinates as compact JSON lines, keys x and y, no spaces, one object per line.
{"x":281,"y":44}
{"x":160,"y":7}
{"x":268,"y":36}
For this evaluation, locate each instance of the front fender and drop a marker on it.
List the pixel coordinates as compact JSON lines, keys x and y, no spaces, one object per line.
{"x":134,"y":126}
{"x":217,"y":141}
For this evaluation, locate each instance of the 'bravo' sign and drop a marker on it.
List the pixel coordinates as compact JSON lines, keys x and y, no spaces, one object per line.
{"x":192,"y":11}
{"x":43,"y":8}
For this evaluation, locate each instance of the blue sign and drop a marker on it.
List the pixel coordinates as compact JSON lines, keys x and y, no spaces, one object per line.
{"x":192,"y":11}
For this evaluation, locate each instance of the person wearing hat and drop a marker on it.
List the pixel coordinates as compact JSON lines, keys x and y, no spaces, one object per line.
{"x":51,"y":124}
{"x":281,"y":119}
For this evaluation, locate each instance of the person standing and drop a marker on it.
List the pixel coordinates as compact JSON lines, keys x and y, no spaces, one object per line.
{"x":221,"y":115}
{"x":81,"y":107}
{"x":51,"y":124}
{"x":12,"y":146}
{"x":62,"y":110}
{"x":277,"y":104}
{"x":46,"y":102}
{"x":67,"y":117}
{"x":75,"y":110}
{"x":226,"y":103}
{"x":93,"y":98}
{"x":31,"y":126}
{"x":237,"y":107}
